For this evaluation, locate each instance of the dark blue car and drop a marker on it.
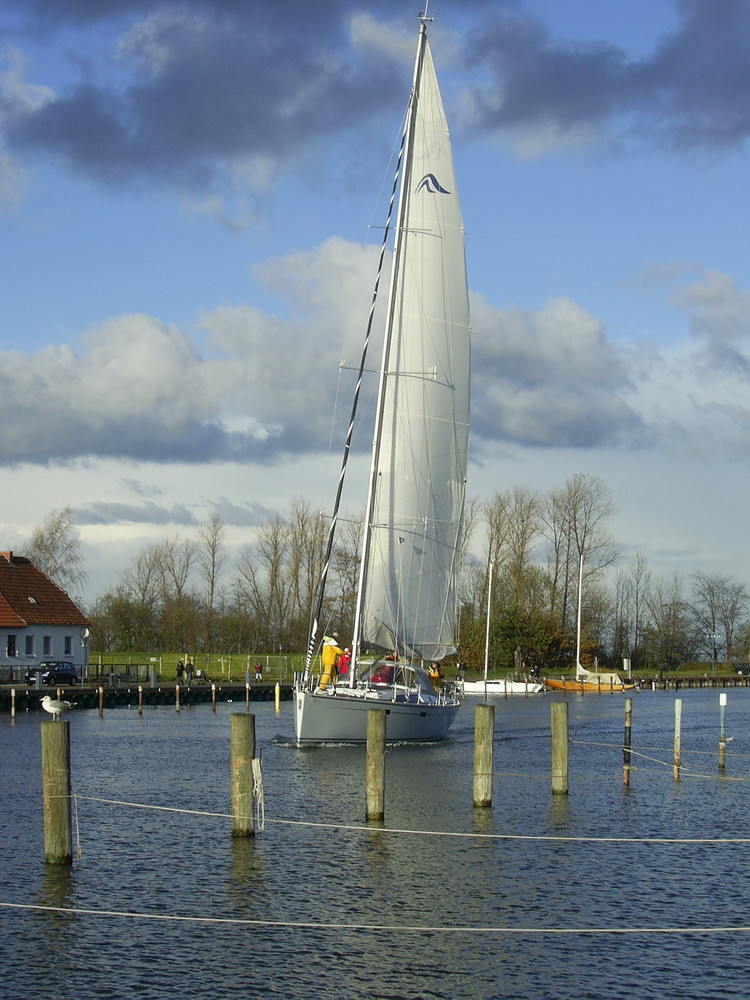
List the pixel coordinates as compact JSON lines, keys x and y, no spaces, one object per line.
{"x":53,"y":672}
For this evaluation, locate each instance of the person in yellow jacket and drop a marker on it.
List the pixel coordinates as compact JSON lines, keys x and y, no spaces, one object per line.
{"x":436,"y":675}
{"x":329,"y":655}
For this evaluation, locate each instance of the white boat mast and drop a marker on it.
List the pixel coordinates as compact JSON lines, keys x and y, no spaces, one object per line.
{"x":579,"y":668}
{"x":487,"y":631}
{"x":399,"y":230}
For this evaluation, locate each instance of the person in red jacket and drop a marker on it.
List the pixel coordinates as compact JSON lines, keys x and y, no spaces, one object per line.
{"x":344,"y":660}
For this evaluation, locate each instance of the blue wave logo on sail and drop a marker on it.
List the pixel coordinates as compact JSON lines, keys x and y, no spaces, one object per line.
{"x":430,"y":183}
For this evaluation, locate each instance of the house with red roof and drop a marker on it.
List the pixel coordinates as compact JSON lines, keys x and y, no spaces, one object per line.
{"x":38,"y":621}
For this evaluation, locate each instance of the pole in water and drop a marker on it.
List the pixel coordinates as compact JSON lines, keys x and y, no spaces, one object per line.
{"x":484,"y":732}
{"x":101,"y":702}
{"x":247,"y":693}
{"x":213,"y":697}
{"x":277,"y":697}
{"x":677,"y":737}
{"x":12,"y":703}
{"x":58,"y":836}
{"x":722,"y":730}
{"x":627,"y":741}
{"x":140,"y":699}
{"x":242,"y":741}
{"x":375,"y":766}
{"x":559,"y":726}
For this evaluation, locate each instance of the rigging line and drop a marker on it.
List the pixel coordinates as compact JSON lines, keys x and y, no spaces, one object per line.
{"x":440,"y":833}
{"x":683,"y":751}
{"x":355,"y":401}
{"x":361,"y":926}
{"x":146,"y":805}
{"x":669,"y":763}
{"x":79,"y":852}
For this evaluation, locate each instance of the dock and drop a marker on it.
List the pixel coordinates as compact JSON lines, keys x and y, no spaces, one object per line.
{"x":28,"y":699}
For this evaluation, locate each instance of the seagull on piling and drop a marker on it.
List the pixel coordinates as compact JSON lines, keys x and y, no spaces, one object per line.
{"x":55,"y":707}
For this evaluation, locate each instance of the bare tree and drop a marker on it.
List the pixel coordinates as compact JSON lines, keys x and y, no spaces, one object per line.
{"x":211,"y":555}
{"x":523,"y":521}
{"x":308,"y":533}
{"x":630,"y":609}
{"x":211,"y":558}
{"x":719,"y":605}
{"x":574,"y":518}
{"x":670,"y":636}
{"x":55,"y":549}
{"x":346,"y":561}
{"x":142,"y":578}
{"x":176,"y":558}
{"x":264,"y":579}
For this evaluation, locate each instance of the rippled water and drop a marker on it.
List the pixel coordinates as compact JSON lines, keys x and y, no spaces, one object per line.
{"x":523,"y":894}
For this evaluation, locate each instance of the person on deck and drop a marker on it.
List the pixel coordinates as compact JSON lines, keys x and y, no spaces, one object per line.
{"x":436,"y":675}
{"x":343,"y":665}
{"x":329,"y":656}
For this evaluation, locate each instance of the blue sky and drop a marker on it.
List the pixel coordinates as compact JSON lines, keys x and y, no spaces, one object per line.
{"x":186,"y":196}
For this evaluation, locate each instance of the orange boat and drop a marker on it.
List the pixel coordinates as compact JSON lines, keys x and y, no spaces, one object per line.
{"x":585,"y":681}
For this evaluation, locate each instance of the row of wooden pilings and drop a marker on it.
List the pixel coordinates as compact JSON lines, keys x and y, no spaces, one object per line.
{"x":57,"y":787}
{"x":56,"y":779}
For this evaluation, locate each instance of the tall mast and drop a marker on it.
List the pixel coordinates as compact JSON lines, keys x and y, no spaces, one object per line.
{"x":397,"y":249}
{"x":578,"y":616}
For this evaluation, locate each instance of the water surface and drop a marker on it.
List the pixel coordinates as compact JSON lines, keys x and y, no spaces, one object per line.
{"x":338,"y":908}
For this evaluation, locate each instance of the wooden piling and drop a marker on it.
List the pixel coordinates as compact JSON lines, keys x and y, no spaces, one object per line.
{"x":484,"y":733}
{"x":559,"y":728}
{"x":277,"y":697}
{"x":101,"y":702}
{"x":177,"y":698}
{"x":213,"y":697}
{"x":375,"y":766}
{"x":677,"y":737}
{"x":56,"y":787}
{"x":12,"y":703}
{"x":722,"y":731}
{"x":242,"y":741}
{"x":140,"y":699}
{"x":627,"y":741}
{"x":247,"y":694}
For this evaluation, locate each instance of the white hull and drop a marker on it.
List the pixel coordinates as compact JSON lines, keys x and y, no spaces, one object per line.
{"x":501,"y":687}
{"x":342,"y":717}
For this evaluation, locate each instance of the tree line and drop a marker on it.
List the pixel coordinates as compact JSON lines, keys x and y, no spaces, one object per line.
{"x":525,"y":553}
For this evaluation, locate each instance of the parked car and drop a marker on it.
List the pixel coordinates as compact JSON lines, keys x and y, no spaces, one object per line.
{"x":53,"y":672}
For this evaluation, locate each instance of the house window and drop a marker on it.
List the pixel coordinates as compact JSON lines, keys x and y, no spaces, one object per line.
{"x":11,"y":647}
{"x":46,"y":645}
{"x":29,"y":645}
{"x":68,"y":645}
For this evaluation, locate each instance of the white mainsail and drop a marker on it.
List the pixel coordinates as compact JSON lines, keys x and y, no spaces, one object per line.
{"x":418,"y":486}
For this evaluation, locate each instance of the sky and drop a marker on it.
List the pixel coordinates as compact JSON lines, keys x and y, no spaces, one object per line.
{"x":191,"y":200}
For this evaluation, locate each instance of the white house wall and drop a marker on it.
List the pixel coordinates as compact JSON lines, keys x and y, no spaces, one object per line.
{"x":58,"y":638}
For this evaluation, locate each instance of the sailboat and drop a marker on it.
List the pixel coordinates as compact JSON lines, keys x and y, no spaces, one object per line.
{"x":497,"y":685}
{"x":406,"y":606}
{"x":603,"y":682}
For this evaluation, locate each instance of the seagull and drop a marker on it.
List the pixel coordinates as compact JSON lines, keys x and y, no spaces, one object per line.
{"x":55,"y":707}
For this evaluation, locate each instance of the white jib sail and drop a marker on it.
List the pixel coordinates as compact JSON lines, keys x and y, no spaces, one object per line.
{"x":410,"y":585}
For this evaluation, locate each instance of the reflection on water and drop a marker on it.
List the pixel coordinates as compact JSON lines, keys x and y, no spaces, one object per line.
{"x":364,"y":891}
